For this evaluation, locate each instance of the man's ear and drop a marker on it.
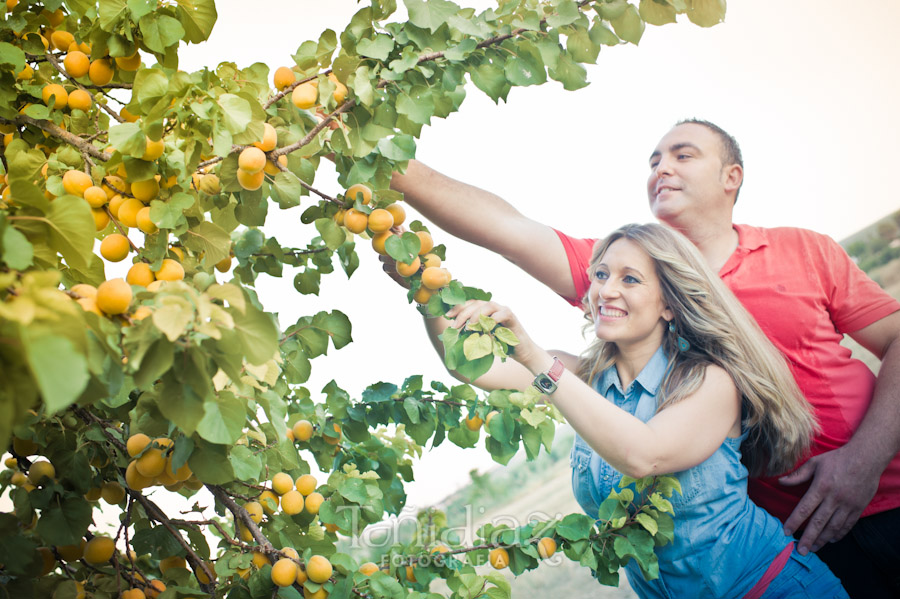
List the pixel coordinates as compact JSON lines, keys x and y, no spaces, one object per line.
{"x":732,"y":177}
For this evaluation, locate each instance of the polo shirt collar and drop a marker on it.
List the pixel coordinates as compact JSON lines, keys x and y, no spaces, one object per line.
{"x":751,"y":238}
{"x":649,"y":378}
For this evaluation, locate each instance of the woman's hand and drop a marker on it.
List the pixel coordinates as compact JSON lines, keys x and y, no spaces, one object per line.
{"x":526,"y":352}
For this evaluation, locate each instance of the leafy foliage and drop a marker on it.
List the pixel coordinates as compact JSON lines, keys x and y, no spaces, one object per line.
{"x":200,"y":367}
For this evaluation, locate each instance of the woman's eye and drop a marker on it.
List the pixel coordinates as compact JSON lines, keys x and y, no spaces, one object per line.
{"x":601,"y":275}
{"x":630,"y":279}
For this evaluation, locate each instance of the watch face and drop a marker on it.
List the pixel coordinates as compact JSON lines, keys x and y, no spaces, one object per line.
{"x":544,"y":383}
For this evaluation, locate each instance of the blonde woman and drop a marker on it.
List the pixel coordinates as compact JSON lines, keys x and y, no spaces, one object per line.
{"x":679,"y":380}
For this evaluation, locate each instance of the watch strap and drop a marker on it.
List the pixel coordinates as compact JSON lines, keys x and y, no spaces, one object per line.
{"x":556,"y":369}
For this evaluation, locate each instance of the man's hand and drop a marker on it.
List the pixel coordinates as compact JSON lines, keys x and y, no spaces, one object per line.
{"x":842,"y":486}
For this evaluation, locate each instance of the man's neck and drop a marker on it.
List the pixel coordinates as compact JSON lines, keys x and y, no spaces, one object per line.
{"x":715,"y":240}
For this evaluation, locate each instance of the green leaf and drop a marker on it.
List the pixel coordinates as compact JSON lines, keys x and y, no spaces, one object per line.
{"x":172,"y":316}
{"x":139,"y":8}
{"x":629,"y":25}
{"x":129,"y":139}
{"x":257,"y":333}
{"x":236,"y":112}
{"x":288,"y":188}
{"x":336,"y":325}
{"x":611,"y":509}
{"x":611,"y":9}
{"x":526,"y":67}
{"x":601,"y":35}
{"x":657,"y":12}
{"x":403,"y":248}
{"x":170,"y":213}
{"x":209,"y":238}
{"x":506,"y":336}
{"x":307,"y":282}
{"x":333,"y":236}
{"x":706,"y":13}
{"x":571,"y":74}
{"x":581,"y":47}
{"x":149,"y":86}
{"x":15,"y":250}
{"x":491,"y":79}
{"x":210,"y":464}
{"x":198,"y":18}
{"x":160,"y":31}
{"x":398,"y":147}
{"x":223,"y":421}
{"x":156,"y":360}
{"x":155,"y":541}
{"x":60,"y":371}
{"x":461,"y":436}
{"x":417,"y":105}
{"x":245,"y":463}
{"x":473,"y":369}
{"x":71,"y":230}
{"x":566,"y":13}
{"x":477,"y":345}
{"x":64,"y":522}
{"x":648,"y":522}
{"x":575,"y":527}
{"x":12,"y":57}
{"x":378,"y":48}
{"x":431,"y":14}
{"x":111,"y":12}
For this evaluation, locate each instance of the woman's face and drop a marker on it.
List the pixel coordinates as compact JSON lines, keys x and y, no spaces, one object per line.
{"x":625,"y":297}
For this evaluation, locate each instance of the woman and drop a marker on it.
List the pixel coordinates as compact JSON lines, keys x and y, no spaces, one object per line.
{"x":680,"y":380}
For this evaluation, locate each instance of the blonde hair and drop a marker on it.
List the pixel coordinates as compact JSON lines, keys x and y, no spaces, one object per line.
{"x":777,"y":417}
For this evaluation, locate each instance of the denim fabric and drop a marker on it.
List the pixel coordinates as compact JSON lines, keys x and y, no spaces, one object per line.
{"x":723,"y":541}
{"x":805,"y":577}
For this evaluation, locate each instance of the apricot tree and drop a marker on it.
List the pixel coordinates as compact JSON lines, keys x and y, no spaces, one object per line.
{"x":118,"y":391}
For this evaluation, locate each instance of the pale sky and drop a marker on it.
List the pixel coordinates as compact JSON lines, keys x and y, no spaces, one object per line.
{"x":805,"y":86}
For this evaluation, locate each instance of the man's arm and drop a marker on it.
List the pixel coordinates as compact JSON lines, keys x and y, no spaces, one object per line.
{"x":836,"y":498}
{"x":487,"y":220}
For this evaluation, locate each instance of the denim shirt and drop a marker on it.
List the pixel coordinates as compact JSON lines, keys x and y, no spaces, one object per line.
{"x":723,"y":541}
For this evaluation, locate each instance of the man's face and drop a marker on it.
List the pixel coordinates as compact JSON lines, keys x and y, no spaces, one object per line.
{"x":686,"y":176}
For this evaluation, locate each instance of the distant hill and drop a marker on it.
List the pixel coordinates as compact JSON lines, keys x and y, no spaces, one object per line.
{"x":876,"y":246}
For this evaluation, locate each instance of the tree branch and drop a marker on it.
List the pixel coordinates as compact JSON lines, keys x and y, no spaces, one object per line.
{"x":60,"y":133}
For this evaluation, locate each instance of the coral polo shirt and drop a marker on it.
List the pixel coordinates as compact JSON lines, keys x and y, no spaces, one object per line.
{"x":805,"y":293}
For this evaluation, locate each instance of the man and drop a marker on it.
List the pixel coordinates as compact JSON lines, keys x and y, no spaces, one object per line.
{"x":805,"y":293}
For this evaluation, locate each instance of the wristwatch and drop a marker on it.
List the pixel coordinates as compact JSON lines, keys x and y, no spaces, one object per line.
{"x":546,"y":381}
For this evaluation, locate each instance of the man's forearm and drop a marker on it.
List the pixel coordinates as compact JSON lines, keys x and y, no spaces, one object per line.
{"x":451,"y":204}
{"x":877,"y":438}
{"x":487,"y":220}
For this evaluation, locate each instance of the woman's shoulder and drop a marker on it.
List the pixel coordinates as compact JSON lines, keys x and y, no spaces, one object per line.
{"x":716,"y":378}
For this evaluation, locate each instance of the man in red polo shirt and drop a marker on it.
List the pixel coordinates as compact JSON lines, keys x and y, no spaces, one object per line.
{"x":804,"y":291}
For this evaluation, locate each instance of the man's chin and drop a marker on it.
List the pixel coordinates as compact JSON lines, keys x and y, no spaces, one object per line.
{"x":665,"y":211}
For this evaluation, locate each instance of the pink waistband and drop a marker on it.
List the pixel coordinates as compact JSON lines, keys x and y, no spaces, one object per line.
{"x":773,"y":571}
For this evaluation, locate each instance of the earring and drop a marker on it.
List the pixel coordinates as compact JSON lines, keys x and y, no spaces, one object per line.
{"x":683,"y":344}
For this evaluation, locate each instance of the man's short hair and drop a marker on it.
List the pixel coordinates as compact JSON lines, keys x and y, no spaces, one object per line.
{"x":731,"y":150}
